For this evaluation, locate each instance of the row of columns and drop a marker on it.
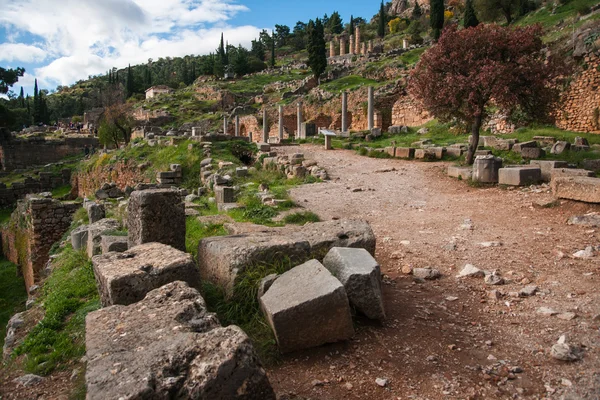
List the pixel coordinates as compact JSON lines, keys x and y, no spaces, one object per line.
{"x":356,"y":47}
{"x":370,"y":116}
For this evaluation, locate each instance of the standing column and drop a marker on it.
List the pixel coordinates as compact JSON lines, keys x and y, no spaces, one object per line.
{"x":237,"y":125}
{"x":357,"y":41}
{"x":370,"y":115}
{"x":299,"y":112}
{"x":265,"y":127}
{"x":224,"y":125}
{"x":351,"y":48}
{"x":370,"y":49}
{"x":280,"y":123}
{"x":342,"y":46}
{"x":331,"y":49}
{"x":344,"y":111}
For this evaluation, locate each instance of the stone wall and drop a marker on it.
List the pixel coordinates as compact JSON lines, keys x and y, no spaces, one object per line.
{"x":22,"y":154}
{"x":34,"y":227}
{"x":121,"y":173}
{"x":406,"y":112}
{"x":45,"y":183}
{"x":580,"y":105}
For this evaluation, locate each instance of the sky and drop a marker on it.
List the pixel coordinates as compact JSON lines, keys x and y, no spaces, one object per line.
{"x":62,"y":41}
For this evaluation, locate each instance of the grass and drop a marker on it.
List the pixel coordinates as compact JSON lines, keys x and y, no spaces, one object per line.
{"x":412,"y":56}
{"x":255,"y":83}
{"x":349,"y":83}
{"x":69,"y":294}
{"x":301,"y":218}
{"x":61,"y":191}
{"x":12,"y":294}
{"x":196,"y":231}
{"x":5,"y":214}
{"x":548,"y":19}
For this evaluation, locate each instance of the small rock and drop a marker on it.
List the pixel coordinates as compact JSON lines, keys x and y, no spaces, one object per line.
{"x":74,"y":374}
{"x":381,"y":382}
{"x":29,"y":304}
{"x":564,"y":352}
{"x":494,"y":294}
{"x":471,"y":271}
{"x":491,"y":357}
{"x":528,"y":291}
{"x":567,"y":316}
{"x":348,"y":386}
{"x":546,"y":311}
{"x":426,"y":273}
{"x":407,"y":269}
{"x":585,"y":254}
{"x":317,"y":382}
{"x":451,"y":298}
{"x":490,"y":244}
{"x":565,"y":382}
{"x":493,"y":280}
{"x":28,"y":380}
{"x":516,"y":370}
{"x":431,"y":358}
{"x":467,"y":225}
{"x":525,"y":281}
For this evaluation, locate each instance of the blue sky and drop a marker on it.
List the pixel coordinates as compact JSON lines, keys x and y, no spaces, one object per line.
{"x":62,"y":41}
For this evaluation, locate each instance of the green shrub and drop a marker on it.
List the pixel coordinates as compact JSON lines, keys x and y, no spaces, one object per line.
{"x":300,"y":218}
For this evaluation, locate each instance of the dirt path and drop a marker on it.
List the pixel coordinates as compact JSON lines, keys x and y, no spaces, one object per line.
{"x":448,"y":338}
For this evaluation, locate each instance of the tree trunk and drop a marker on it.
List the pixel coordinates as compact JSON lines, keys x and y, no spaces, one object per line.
{"x":507,"y":15}
{"x":474,"y":139}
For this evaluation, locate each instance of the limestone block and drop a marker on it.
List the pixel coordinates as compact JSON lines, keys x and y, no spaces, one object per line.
{"x":241,"y":172}
{"x":391,"y":150}
{"x":454,"y":151}
{"x":497,"y":143}
{"x":592,"y":165}
{"x":579,"y":188}
{"x":125,"y":278}
{"x":405,"y":152}
{"x":113,"y":243}
{"x":485,"y":169}
{"x":264,"y":147}
{"x":224,"y":194}
{"x":156,"y":215}
{"x":360,"y":274}
{"x":95,"y":212}
{"x":547,"y":166}
{"x":532,"y":152}
{"x":95,"y":232}
{"x":463,"y":173}
{"x":79,"y":237}
{"x":560,"y":147}
{"x":567,"y":172}
{"x":518,"y":147}
{"x":483,"y":153}
{"x":168,"y":343}
{"x":307,"y":307}
{"x":519,"y":176}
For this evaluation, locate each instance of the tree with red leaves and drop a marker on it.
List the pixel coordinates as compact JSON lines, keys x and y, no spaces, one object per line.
{"x":470,"y":69}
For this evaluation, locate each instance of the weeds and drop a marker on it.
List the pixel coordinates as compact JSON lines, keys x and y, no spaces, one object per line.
{"x":196,"y":231}
{"x":301,"y":218}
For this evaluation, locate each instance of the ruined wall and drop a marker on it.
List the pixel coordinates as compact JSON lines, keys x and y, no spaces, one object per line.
{"x":406,"y":112}
{"x":21,"y":154}
{"x":34,"y":227}
{"x":46,"y":182}
{"x":122,"y":173}
{"x":580,"y":105}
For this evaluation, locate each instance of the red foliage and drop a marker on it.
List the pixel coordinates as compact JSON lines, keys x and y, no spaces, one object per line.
{"x":470,"y":68}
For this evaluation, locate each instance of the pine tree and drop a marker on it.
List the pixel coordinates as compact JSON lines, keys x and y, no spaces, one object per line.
{"x":417,"y":13}
{"x":335,"y":23}
{"x":470,"y":18}
{"x":436,"y":18}
{"x":240,"y":62}
{"x":382,"y":21}
{"x":317,"y":58}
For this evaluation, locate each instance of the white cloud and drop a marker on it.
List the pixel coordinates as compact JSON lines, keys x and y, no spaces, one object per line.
{"x":87,"y":37}
{"x":21,"y":52}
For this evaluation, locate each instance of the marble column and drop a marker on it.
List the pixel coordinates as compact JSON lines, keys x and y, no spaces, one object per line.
{"x":225,"y":125}
{"x":265,"y":127}
{"x":344,"y":111}
{"x":357,"y":41}
{"x":280,"y":123}
{"x":299,"y":114}
{"x":342,"y":46}
{"x":237,"y":125}
{"x":331,"y":49}
{"x":371,"y":109}
{"x":351,"y":49}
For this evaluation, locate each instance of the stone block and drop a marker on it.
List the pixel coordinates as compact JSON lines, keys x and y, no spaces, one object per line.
{"x":125,"y":278}
{"x":95,"y":212}
{"x":169,"y":346}
{"x":79,"y":237}
{"x":307,"y":307}
{"x":391,"y":150}
{"x":376,"y":132}
{"x":113,"y":243}
{"x":224,"y":194}
{"x":497,"y":143}
{"x":454,"y":151}
{"x":519,"y":176}
{"x":463,"y":173}
{"x":518,"y":147}
{"x":405,"y":152}
{"x":485,"y":169}
{"x":577,"y":188}
{"x":264,"y":147}
{"x":95,"y":232}
{"x":360,"y":274}
{"x":483,"y":153}
{"x":592,"y":165}
{"x":156,"y":215}
{"x":547,"y":166}
{"x":241,"y":172}
{"x":560,"y":147}
{"x":532,"y":152}
{"x":570,"y":172}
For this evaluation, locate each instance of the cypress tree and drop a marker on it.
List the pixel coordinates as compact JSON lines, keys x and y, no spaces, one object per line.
{"x":317,"y":58}
{"x":272,"y":49}
{"x":36,"y":104}
{"x":28,"y":107}
{"x":22,"y":98}
{"x":130,"y":84}
{"x":436,"y":18}
{"x":381,"y":24}
{"x":470,"y":18}
{"x":351,"y":26}
{"x":416,"y":11}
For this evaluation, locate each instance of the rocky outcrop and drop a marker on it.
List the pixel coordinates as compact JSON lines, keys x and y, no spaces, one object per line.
{"x":169,"y":346}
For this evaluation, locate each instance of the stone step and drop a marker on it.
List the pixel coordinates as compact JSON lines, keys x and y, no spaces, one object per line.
{"x":519,"y":175}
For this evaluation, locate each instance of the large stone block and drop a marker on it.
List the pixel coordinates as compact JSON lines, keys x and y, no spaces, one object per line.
{"x":570,"y":172}
{"x":113,"y":243}
{"x":360,"y":274}
{"x":485,"y":169}
{"x":95,"y":212}
{"x":95,"y":232}
{"x":224,"y":194}
{"x":454,"y":151}
{"x":577,"y":188}
{"x":391,"y":151}
{"x":125,"y":278}
{"x":532,"y":152}
{"x":156,"y":215}
{"x":168,"y":346}
{"x":307,"y":307}
{"x":463,"y":173}
{"x":560,"y":147}
{"x":518,"y":147}
{"x":405,"y":152}
{"x":497,"y":143}
{"x":519,"y":176}
{"x":221,"y":259}
{"x":547,"y":166}
{"x":592,"y":165}
{"x":79,"y":237}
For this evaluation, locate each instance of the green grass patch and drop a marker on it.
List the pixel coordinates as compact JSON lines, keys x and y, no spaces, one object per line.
{"x":412,"y":56}
{"x":301,"y":218}
{"x":350,"y":82}
{"x":256,"y":83}
{"x":5,"y":214}
{"x":196,"y":231}
{"x":61,"y":191}
{"x":69,"y":294}
{"x":82,"y":216}
{"x":12,"y":294}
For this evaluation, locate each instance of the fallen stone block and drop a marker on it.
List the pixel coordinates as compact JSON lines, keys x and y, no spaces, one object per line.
{"x":424,"y":154}
{"x":264,"y":147}
{"x":156,"y":215}
{"x":569,"y":172}
{"x":95,"y":212}
{"x":360,"y":274}
{"x":167,"y":346}
{"x":592,"y":165}
{"x":224,"y":194}
{"x":404,"y":152}
{"x":591,"y":219}
{"x":391,"y":150}
{"x":307,"y":307}
{"x":547,"y":166}
{"x":463,"y":173}
{"x":532,"y":152}
{"x":518,"y":147}
{"x":125,"y":278}
{"x":454,"y":151}
{"x":497,"y":143}
{"x":95,"y":232}
{"x":519,"y":176}
{"x":560,"y":147}
{"x":577,"y":188}
{"x":485,"y":169}
{"x":79,"y":237}
{"x":546,"y":140}
{"x":113,"y":243}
